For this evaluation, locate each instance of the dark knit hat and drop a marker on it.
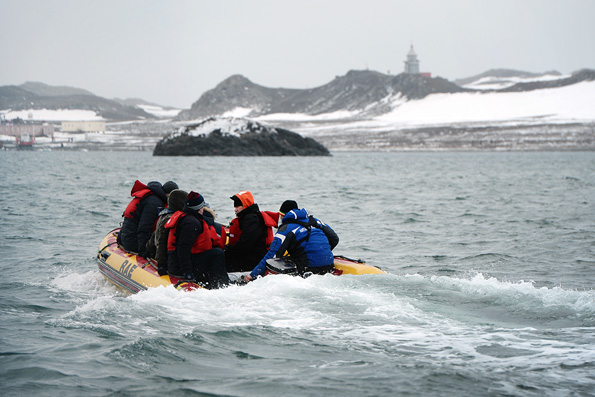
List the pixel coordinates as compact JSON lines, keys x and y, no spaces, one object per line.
{"x":195,"y":201}
{"x":236,"y":201}
{"x":287,"y":206}
{"x":169,"y":186}
{"x":156,"y":188}
{"x":176,"y":200}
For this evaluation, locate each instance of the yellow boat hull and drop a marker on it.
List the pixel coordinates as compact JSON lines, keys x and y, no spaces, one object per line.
{"x":134,"y":273}
{"x":131,"y":272}
{"x":350,"y":266}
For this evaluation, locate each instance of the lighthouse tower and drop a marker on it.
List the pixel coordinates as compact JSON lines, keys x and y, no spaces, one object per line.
{"x":412,"y":63}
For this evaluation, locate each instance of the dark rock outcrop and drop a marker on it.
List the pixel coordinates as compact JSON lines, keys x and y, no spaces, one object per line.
{"x":236,"y":137}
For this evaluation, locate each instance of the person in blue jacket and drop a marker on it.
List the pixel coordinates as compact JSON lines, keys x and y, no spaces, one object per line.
{"x":304,"y":238}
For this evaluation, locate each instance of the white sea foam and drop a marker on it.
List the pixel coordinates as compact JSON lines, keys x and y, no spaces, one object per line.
{"x":522,"y":295}
{"x":350,"y":305}
{"x":88,"y":283}
{"x":376,"y":314}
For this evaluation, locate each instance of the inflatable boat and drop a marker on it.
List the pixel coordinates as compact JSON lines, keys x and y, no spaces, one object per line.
{"x":134,"y":273}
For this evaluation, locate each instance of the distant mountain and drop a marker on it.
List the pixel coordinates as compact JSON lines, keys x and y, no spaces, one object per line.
{"x":41,"y":96}
{"x":357,"y":90}
{"x":42,"y":89}
{"x":506,"y":80}
{"x":236,"y":91}
{"x":577,"y":77}
{"x":365,"y":93}
{"x":504,"y":74}
{"x":138,"y":102}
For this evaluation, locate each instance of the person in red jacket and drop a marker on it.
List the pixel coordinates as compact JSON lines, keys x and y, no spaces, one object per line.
{"x":250,"y":233}
{"x":193,"y":251}
{"x":140,"y":216}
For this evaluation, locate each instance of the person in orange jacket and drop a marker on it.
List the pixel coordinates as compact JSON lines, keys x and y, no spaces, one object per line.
{"x":250,"y":233}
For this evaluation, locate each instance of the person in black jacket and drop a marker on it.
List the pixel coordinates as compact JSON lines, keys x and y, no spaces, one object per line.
{"x":248,"y":234}
{"x":157,"y":244}
{"x":140,"y":216}
{"x":194,"y":250}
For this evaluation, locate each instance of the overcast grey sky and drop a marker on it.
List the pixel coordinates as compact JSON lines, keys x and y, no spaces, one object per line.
{"x":170,"y":52}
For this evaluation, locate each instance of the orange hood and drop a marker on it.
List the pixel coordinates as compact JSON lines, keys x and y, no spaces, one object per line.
{"x":246,"y":198}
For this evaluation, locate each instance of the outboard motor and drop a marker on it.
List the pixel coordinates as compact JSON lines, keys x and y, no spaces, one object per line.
{"x":281,"y":266}
{"x":285,"y":266}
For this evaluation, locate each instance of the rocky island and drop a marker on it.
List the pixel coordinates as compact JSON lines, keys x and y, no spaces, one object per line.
{"x":229,"y":136}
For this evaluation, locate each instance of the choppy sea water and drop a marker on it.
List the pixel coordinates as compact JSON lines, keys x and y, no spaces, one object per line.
{"x":490,"y":285}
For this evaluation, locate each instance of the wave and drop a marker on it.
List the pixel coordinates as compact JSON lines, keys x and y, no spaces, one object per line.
{"x":324,"y":302}
{"x":520,"y":302}
{"x":474,"y":322}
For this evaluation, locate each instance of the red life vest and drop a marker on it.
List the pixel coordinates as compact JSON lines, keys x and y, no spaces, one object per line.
{"x":208,"y":239}
{"x":204,"y":241}
{"x":138,"y":192}
{"x":234,"y":231}
{"x":271,"y":220}
{"x":172,"y":224}
{"x":219,"y":238}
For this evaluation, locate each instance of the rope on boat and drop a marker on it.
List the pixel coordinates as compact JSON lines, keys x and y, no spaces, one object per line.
{"x":350,"y":259}
{"x":112,"y":243}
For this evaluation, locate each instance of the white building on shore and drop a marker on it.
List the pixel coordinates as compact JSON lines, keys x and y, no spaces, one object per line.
{"x":83,"y":126}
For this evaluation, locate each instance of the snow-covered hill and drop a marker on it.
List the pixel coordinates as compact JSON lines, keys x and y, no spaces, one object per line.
{"x":540,"y":119}
{"x":56,"y":115}
{"x":363,"y":91}
{"x":498,"y":79}
{"x":526,"y":112}
{"x":42,"y":102}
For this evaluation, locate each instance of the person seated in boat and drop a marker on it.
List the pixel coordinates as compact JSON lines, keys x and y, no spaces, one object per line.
{"x":303,"y":238}
{"x":333,"y":238}
{"x":250,"y":233}
{"x":157,"y":244}
{"x":194,"y":247}
{"x":220,"y":237}
{"x":141,"y":215}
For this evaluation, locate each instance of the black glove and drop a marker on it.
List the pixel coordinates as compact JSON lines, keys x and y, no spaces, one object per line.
{"x":162,"y":271}
{"x":189,"y":276}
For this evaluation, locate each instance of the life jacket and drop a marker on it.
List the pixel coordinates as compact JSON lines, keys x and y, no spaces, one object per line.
{"x":270,"y":220}
{"x":219,"y":235}
{"x":208,"y":239}
{"x":205,"y":241}
{"x":234,"y":231}
{"x":138,"y":192}
{"x":172,"y":225}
